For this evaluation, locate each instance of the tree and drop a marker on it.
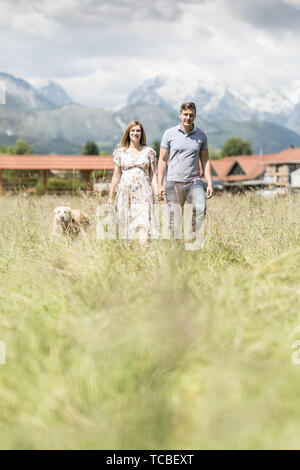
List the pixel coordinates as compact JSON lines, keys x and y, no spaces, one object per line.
{"x":156,"y":147}
{"x":21,"y":148}
{"x":90,"y":148}
{"x":214,"y":154}
{"x":236,"y":146}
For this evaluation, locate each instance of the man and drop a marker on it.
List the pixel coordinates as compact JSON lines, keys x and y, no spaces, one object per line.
{"x":183,"y":145}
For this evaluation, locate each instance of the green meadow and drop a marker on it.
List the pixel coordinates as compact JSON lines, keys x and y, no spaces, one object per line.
{"x":113,"y":346}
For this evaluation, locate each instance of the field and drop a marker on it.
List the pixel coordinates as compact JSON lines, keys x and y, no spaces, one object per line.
{"x":111,"y":346}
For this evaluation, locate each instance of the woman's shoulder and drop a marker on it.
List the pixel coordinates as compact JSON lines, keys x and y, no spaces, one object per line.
{"x":118,"y":151}
{"x":118,"y":156}
{"x":150,"y":151}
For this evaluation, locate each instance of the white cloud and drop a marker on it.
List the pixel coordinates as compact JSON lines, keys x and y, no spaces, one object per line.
{"x":100,"y":50}
{"x":34,"y":24}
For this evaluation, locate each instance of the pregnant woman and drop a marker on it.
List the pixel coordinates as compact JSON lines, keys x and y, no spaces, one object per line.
{"x":133,"y":173}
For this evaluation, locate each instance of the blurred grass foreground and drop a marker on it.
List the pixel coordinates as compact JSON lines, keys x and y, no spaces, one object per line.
{"x":111,"y":346}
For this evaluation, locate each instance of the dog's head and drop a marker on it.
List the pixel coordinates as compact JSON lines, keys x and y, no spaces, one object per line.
{"x":62,"y":214}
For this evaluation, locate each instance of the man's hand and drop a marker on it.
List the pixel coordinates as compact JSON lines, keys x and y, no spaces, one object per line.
{"x":209,"y":191}
{"x":206,"y":168}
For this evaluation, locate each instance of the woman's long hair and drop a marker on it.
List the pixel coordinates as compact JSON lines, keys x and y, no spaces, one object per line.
{"x":125,"y":141}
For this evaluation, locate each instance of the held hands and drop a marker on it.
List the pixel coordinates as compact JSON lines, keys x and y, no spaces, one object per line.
{"x":160,"y":193}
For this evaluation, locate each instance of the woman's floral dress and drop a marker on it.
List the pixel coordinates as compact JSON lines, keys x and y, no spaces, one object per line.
{"x":134,"y":198}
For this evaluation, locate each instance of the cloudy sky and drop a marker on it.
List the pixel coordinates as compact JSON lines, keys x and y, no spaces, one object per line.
{"x":100,"y":50}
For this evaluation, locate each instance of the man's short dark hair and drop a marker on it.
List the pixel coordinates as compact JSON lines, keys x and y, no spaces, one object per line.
{"x":188,"y":105}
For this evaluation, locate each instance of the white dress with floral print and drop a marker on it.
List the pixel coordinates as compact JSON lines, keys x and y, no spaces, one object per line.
{"x":134,"y":198}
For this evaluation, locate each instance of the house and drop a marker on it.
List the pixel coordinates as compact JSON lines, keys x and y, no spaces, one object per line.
{"x":279,"y":166}
{"x":257,"y":170}
{"x":248,"y":170}
{"x":295,"y":178}
{"x":54,"y":162}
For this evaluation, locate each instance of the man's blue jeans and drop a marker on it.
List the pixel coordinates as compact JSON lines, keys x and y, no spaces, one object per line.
{"x":177,"y":194}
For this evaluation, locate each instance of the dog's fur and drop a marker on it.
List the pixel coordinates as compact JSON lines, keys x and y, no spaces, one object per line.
{"x":69,"y":222}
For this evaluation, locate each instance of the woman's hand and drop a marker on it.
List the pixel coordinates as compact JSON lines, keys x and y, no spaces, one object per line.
{"x":110,"y":201}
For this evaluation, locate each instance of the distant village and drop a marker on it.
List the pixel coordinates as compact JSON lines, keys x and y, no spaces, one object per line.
{"x":271,"y":170}
{"x":277,"y":172}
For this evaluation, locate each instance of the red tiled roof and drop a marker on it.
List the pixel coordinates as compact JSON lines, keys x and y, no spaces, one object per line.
{"x":252,"y":165}
{"x":290,"y":155}
{"x":56,"y":162}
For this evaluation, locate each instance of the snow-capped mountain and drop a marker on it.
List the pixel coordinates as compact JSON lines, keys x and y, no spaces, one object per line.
{"x":224,"y":104}
{"x":55,"y":94}
{"x":163,"y":91}
{"x":274,"y":106}
{"x":215,"y":101}
{"x":39,"y":117}
{"x":20,"y":95}
{"x":271,"y":101}
{"x":146,"y":94}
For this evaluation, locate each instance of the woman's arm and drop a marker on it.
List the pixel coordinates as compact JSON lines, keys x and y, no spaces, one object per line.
{"x":114,"y":182}
{"x":153,"y":177}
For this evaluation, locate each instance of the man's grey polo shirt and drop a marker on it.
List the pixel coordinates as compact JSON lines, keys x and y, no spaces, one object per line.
{"x":184,"y":152}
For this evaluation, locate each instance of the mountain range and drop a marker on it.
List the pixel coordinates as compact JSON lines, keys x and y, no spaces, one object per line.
{"x":217,"y":102}
{"x":48,"y":120}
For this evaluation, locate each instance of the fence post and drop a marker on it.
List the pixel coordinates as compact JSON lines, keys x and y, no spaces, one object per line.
{"x":45,"y":175}
{"x":89,"y":181}
{"x":89,"y":178}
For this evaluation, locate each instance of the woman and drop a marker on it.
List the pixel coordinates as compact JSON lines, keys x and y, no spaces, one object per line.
{"x":134,"y":170}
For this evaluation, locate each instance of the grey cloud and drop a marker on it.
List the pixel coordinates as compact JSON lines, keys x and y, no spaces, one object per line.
{"x":77,"y":53}
{"x":89,"y":38}
{"x":272,"y":16}
{"x":92,"y":12}
{"x":79,"y":50}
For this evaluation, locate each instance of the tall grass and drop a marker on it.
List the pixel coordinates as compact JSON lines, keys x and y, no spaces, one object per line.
{"x":111,"y":346}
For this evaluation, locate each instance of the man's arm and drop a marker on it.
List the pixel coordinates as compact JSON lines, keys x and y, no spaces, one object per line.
{"x":162,"y":164}
{"x":207,"y":172}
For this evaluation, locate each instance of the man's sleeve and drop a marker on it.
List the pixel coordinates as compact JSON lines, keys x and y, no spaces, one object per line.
{"x":165,"y":141}
{"x":204,"y":145}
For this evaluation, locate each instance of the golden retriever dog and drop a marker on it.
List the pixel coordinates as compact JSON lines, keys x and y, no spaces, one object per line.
{"x":69,"y":221}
